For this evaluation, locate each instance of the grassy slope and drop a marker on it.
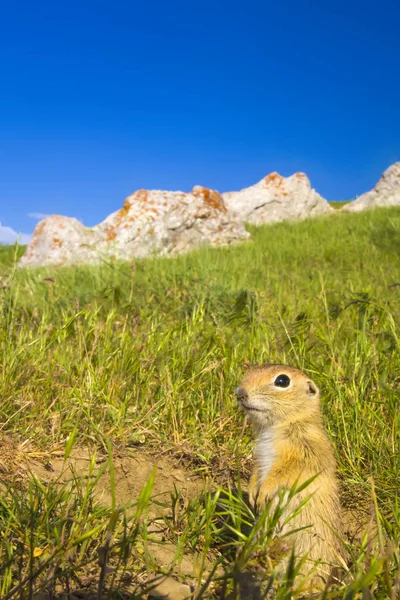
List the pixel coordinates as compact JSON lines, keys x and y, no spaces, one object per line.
{"x":338,"y":203}
{"x":150,"y":352}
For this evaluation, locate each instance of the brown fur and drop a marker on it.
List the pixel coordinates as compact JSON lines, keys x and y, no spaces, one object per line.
{"x":291,"y":445}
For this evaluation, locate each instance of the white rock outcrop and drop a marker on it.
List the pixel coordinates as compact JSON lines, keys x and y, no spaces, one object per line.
{"x":150,"y":222}
{"x":276,"y":198}
{"x":385,"y":193}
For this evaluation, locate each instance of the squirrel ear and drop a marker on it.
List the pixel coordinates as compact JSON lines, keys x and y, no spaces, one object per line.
{"x":311,"y":388}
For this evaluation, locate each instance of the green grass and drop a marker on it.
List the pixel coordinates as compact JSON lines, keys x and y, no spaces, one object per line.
{"x":337,"y":204}
{"x":9,"y":254}
{"x":147,"y":355}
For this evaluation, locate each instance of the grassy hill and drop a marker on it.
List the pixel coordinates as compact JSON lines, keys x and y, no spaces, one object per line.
{"x":138,"y":362}
{"x":337,"y":204}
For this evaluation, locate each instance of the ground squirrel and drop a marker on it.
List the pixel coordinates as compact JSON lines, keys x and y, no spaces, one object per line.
{"x":283,"y":406}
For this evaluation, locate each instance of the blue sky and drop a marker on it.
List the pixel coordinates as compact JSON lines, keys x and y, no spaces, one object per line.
{"x":99,"y":98}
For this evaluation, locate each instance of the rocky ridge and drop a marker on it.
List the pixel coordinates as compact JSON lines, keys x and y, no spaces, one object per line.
{"x":160,"y":222}
{"x":149,"y":222}
{"x":385,"y":193}
{"x":276,"y":198}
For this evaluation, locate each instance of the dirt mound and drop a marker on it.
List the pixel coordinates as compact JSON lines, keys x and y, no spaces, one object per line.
{"x":12,"y":460}
{"x":132,"y":471}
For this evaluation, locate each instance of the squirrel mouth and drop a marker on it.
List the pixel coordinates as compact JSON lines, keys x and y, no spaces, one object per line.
{"x":247,"y":407}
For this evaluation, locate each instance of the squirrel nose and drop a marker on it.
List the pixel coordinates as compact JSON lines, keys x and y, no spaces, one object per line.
{"x":241,"y":393}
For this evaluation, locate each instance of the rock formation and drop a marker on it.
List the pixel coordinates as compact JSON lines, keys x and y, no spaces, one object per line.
{"x":385,"y":193}
{"x":276,"y":198}
{"x":150,"y":222}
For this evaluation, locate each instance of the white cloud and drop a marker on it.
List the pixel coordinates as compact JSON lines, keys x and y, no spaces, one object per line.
{"x":37,"y":215}
{"x":9,"y":236}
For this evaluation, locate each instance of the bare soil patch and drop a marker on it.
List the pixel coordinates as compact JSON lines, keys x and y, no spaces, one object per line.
{"x":132,"y":470}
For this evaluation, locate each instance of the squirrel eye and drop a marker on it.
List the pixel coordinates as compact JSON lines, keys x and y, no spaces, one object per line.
{"x":282,"y":381}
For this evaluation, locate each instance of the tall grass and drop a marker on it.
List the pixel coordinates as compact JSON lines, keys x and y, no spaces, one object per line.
{"x":147,"y":354}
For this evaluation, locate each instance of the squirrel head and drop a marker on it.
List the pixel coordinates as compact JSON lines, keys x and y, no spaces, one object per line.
{"x":271,"y":394}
